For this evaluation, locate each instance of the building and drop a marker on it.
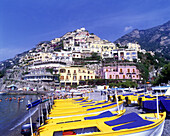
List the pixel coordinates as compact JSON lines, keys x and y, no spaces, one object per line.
{"x":102,"y":47}
{"x":126,"y":54}
{"x":63,"y":56}
{"x":74,"y":75}
{"x":47,"y":64}
{"x":41,"y":75}
{"x":134,"y":46}
{"x":120,"y":72}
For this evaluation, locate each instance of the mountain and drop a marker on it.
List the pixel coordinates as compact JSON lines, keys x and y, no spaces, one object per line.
{"x":9,"y":63}
{"x":155,"y":39}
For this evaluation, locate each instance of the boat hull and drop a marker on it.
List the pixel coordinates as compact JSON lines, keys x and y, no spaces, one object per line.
{"x":86,"y":113}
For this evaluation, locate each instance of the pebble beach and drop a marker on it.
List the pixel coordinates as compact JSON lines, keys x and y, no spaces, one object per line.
{"x":95,"y":96}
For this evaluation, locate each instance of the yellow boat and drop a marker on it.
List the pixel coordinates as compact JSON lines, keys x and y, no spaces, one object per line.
{"x":84,"y":110}
{"x":78,"y":99}
{"x":75,"y":108}
{"x":78,"y":104}
{"x":131,"y":124}
{"x":106,"y":114}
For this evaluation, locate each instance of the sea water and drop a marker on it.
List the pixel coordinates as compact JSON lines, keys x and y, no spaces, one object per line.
{"x":14,"y":113}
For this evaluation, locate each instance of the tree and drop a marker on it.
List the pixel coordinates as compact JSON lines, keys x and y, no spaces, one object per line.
{"x":164,"y":76}
{"x":1,"y":74}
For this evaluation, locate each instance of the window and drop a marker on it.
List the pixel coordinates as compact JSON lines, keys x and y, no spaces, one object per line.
{"x":62,"y":70}
{"x":123,"y":76}
{"x":106,"y":70}
{"x":128,"y":70}
{"x":66,"y":77}
{"x":117,"y":76}
{"x":88,"y":72}
{"x":127,"y":53}
{"x":74,"y":71}
{"x":62,"y":78}
{"x":133,"y":53}
{"x":120,"y":70}
{"x":128,"y":58}
{"x":137,"y":76}
{"x":68,"y":71}
{"x":84,"y":77}
{"x":88,"y":77}
{"x":133,"y":70}
{"x":91,"y":77}
{"x":80,"y":77}
{"x":74,"y":77}
{"x":110,"y":76}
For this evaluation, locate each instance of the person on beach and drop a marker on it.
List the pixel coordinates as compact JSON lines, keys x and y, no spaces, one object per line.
{"x":60,"y":96}
{"x":0,"y":100}
{"x":19,"y":99}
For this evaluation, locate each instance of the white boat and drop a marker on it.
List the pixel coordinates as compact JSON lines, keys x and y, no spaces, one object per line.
{"x":1,"y":93}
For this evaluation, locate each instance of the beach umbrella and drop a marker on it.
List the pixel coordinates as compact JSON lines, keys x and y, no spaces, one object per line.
{"x":117,"y":100}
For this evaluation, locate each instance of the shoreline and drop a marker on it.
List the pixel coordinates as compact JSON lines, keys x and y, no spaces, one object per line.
{"x":17,"y":131}
{"x":26,"y":92}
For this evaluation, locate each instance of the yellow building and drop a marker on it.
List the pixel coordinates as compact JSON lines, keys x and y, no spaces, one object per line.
{"x":134,"y":46}
{"x":102,"y":47}
{"x":73,"y":75}
{"x":42,"y":56}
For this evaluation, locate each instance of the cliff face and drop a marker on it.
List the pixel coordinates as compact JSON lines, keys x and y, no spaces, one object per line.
{"x":155,"y":39}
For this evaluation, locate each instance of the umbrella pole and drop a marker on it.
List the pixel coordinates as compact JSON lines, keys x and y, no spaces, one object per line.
{"x":157,"y":106}
{"x":39,"y":115}
{"x":31,"y":124}
{"x":117,"y":100}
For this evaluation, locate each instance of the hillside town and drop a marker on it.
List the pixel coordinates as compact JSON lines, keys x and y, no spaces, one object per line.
{"x":75,"y":59}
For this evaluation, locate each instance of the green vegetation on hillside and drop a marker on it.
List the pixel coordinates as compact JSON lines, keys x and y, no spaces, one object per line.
{"x":147,"y":62}
{"x":112,"y":82}
{"x":1,"y":74}
{"x":164,"y":76}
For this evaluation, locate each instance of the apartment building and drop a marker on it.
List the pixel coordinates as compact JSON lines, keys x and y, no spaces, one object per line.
{"x":63,"y":56}
{"x":120,"y":72}
{"x":40,"y":75}
{"x":126,"y":54}
{"x":134,"y":46}
{"x":73,"y":75}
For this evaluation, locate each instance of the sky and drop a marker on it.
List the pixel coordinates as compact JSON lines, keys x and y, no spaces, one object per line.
{"x":25,"y":23}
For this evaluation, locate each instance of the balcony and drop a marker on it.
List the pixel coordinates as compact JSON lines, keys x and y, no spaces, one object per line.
{"x":128,"y":73}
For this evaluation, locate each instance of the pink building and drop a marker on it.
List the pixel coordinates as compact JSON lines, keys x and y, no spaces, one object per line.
{"x":120,"y":72}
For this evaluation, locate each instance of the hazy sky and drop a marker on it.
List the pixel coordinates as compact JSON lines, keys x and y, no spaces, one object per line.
{"x":25,"y":23}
